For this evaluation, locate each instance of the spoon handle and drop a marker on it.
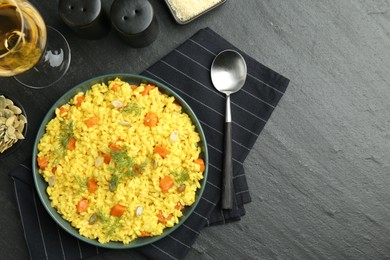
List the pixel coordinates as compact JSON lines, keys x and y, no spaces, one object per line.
{"x":227,"y":177}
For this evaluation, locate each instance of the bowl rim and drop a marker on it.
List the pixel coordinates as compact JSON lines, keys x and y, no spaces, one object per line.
{"x":41,"y":185}
{"x":19,"y":143}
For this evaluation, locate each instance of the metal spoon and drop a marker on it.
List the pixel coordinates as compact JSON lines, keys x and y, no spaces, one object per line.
{"x":228,"y":74}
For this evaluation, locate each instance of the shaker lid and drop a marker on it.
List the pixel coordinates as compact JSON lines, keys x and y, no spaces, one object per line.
{"x":78,"y":13}
{"x":131,"y":17}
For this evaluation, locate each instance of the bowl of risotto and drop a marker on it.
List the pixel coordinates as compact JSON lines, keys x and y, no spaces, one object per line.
{"x":120,"y":161}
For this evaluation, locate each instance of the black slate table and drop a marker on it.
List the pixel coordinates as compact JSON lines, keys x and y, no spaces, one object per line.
{"x":318,"y":173}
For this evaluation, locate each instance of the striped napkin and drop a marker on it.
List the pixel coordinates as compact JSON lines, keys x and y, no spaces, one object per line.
{"x":186,"y":70}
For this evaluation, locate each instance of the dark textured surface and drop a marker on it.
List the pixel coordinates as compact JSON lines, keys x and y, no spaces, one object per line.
{"x":318,"y":173}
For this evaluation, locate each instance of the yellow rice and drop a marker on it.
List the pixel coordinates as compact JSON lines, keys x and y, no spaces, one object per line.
{"x":69,"y":170}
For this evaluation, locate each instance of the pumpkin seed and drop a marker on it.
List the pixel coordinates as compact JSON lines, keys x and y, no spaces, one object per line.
{"x":99,"y":161}
{"x":174,"y":136}
{"x":117,"y":104}
{"x":124,"y":123}
{"x":19,"y":135}
{"x":8,"y":102}
{"x":181,"y":188}
{"x":154,"y":163}
{"x":52,"y":181}
{"x":20,"y":127}
{"x":10,"y":121}
{"x":94,"y":217}
{"x":7,"y":113}
{"x":114,"y":183}
{"x":10,"y":131}
{"x":2,"y":102}
{"x":23,"y":119}
{"x":139,"y":210}
{"x":16,"y":110}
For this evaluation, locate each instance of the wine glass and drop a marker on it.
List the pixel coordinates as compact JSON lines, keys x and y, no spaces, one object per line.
{"x":35,"y":54}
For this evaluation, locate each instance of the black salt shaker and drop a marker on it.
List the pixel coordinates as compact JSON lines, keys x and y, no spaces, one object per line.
{"x":85,"y":18}
{"x":135,"y":22}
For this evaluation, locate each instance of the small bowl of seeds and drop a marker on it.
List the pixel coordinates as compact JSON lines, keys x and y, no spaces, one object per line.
{"x":13,"y":125}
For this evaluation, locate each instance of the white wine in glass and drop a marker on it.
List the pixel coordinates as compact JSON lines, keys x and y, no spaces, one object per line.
{"x":37,"y":54}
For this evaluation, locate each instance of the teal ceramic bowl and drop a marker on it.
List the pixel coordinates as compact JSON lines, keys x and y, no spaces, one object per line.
{"x":41,"y":185}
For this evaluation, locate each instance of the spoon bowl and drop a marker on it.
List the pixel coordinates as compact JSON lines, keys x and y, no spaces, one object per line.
{"x":228,"y":74}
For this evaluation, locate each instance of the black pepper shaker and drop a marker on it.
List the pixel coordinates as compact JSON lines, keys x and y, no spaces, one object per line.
{"x":135,"y":22}
{"x":85,"y":18}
